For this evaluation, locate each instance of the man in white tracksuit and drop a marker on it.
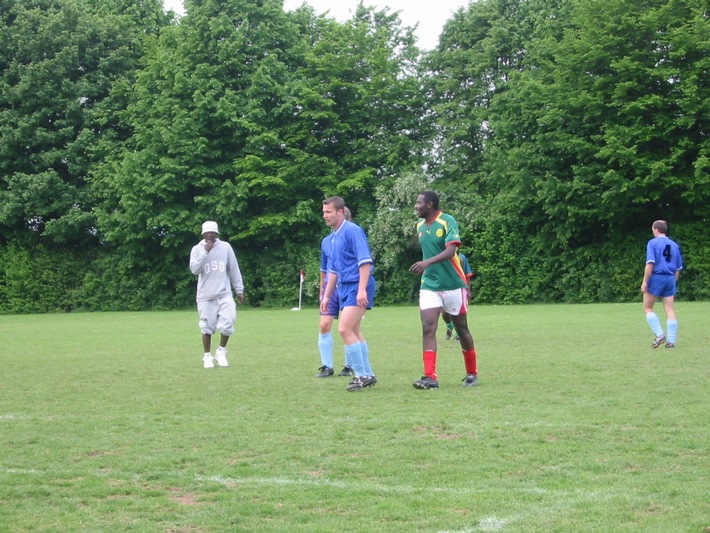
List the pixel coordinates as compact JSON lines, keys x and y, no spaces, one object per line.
{"x":215,"y":264}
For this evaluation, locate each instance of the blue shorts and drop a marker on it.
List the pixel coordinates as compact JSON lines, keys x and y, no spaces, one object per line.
{"x":661,"y":285}
{"x":347,"y":293}
{"x":333,"y":305}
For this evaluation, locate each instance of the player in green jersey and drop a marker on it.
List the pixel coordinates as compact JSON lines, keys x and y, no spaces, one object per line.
{"x":444,"y":287}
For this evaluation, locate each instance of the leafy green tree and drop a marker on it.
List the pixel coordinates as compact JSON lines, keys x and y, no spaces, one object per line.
{"x":480,"y":47}
{"x":595,"y":128}
{"x":609,"y":123}
{"x":392,"y":237}
{"x":59,"y":61}
{"x":481,"y":51}
{"x":362,"y":109}
{"x":206,"y":113}
{"x":553,"y":134}
{"x":607,"y":133}
{"x":250,"y":116}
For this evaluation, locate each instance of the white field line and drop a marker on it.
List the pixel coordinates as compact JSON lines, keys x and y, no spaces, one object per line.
{"x":14,"y":416}
{"x":344,"y":485}
{"x":350,"y":486}
{"x":489,"y":525}
{"x":563,"y":500}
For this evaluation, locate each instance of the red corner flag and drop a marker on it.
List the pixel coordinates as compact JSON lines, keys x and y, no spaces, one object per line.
{"x":302,"y":275}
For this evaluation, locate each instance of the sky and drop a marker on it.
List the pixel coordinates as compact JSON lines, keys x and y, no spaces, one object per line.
{"x":430,"y":17}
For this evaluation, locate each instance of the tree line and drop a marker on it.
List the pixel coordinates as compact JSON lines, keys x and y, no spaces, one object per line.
{"x":556,"y":131}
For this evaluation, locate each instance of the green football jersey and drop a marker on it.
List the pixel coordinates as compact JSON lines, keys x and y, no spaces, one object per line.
{"x":433,"y":238}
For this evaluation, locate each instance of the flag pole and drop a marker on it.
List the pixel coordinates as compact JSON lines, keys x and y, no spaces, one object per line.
{"x":300,"y":288}
{"x":302,"y":277}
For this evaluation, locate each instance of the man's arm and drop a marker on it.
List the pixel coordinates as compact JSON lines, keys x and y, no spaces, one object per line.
{"x":365,"y":270}
{"x":329,"y":288}
{"x":235,"y":275}
{"x":322,"y":284}
{"x":198,"y":258}
{"x":647,"y":271}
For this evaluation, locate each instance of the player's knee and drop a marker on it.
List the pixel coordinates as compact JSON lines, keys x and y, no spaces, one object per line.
{"x":227,"y":330}
{"x":428,"y":328}
{"x":205,"y":328}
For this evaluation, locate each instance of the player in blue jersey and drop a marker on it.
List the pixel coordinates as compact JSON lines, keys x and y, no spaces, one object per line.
{"x":325,"y":335}
{"x":351,"y":275}
{"x":663,"y":265}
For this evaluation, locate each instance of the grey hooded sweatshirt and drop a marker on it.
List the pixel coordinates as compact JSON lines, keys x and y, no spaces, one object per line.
{"x":216,"y":270}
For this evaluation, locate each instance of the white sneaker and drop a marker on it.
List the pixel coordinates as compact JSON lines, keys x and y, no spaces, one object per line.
{"x":208,"y":361}
{"x":221,"y":357}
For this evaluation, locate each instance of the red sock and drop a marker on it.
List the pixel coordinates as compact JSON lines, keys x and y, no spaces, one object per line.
{"x":429,"y":358}
{"x":469,"y":359}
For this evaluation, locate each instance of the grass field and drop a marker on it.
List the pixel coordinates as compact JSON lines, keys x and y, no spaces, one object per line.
{"x":109,"y":423}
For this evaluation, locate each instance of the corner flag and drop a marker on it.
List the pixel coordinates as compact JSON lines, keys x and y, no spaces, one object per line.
{"x":302,"y":278}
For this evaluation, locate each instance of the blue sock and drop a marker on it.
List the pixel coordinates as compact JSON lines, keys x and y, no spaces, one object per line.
{"x":366,"y":359}
{"x":354,"y":355}
{"x":655,"y":324}
{"x":672,"y":326}
{"x":347,"y":360}
{"x":325,"y":345}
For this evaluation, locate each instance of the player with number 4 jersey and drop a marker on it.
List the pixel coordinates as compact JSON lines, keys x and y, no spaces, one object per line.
{"x":660,"y":277}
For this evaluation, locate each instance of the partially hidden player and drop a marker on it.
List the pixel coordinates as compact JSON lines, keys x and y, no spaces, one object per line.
{"x":444,"y":315}
{"x":352,"y":276}
{"x":325,"y":334}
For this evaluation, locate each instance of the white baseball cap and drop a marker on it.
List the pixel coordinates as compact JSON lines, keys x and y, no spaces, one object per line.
{"x":210,"y":226}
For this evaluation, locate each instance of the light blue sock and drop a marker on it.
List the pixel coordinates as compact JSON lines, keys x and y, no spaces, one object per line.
{"x":354,"y":355}
{"x":672,"y":326}
{"x":655,"y":324}
{"x":366,"y":359}
{"x":325,"y":345}
{"x":347,"y":361}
